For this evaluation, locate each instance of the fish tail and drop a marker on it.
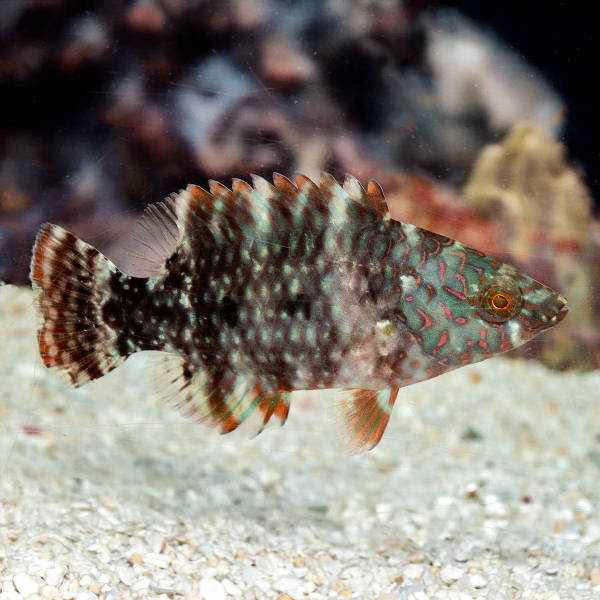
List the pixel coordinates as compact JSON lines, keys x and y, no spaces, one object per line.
{"x":72,"y":280}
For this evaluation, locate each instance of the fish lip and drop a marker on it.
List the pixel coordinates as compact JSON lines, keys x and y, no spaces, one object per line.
{"x":560,"y":313}
{"x":555,"y":316}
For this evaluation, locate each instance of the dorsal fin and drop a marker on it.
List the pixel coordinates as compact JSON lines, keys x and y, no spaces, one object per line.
{"x":253,"y":208}
{"x":283,"y":185}
{"x":350,"y":201}
{"x":238,"y":186}
{"x":373,"y":197}
{"x":196,"y":217}
{"x":339,"y":205}
{"x":377,"y":199}
{"x":154,"y":239}
{"x":219,"y":191}
{"x":263,"y":187}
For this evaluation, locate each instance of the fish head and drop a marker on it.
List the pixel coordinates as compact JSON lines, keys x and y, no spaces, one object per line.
{"x":466,"y":306}
{"x":523,"y":306}
{"x":504,"y":308}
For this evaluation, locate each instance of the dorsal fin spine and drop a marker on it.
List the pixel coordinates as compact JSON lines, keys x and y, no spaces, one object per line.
{"x":340,"y":205}
{"x":222,"y":215}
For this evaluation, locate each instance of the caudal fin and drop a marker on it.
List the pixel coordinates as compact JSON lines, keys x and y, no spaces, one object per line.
{"x":72,"y":281}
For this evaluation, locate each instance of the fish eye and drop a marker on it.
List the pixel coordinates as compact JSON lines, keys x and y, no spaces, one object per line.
{"x":499,"y":299}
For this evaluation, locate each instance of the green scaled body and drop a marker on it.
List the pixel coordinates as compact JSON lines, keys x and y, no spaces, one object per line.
{"x":260,"y":291}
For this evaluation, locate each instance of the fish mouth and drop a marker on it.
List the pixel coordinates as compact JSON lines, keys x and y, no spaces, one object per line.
{"x":561,"y":312}
{"x":563,"y":309}
{"x":547,"y":319}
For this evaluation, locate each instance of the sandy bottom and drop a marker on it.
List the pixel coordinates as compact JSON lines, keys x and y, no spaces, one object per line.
{"x":486,"y":485}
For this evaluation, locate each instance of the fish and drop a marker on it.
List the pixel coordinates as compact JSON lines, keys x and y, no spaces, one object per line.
{"x":261,"y":290}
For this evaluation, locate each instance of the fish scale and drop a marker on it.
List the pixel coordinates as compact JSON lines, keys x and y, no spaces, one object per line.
{"x":256,"y":292}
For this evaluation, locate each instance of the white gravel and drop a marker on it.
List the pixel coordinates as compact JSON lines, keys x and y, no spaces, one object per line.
{"x":486,"y":485}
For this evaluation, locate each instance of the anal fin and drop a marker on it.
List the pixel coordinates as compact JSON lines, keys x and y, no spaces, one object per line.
{"x":277,"y":406}
{"x":363,"y":416}
{"x":220,"y":399}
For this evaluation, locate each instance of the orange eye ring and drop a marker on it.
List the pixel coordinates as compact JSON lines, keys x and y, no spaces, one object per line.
{"x":499,"y":299}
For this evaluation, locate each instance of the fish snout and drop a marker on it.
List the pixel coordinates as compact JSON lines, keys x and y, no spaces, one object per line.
{"x":562,"y":310}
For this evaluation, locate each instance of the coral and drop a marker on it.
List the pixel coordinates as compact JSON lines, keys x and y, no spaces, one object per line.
{"x":544,"y":214}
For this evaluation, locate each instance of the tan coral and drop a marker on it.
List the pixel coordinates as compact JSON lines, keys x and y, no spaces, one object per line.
{"x":545,"y":212}
{"x":529,"y":180}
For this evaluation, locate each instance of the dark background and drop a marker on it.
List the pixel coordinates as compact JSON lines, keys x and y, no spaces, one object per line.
{"x":560,"y":39}
{"x":53,"y":115}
